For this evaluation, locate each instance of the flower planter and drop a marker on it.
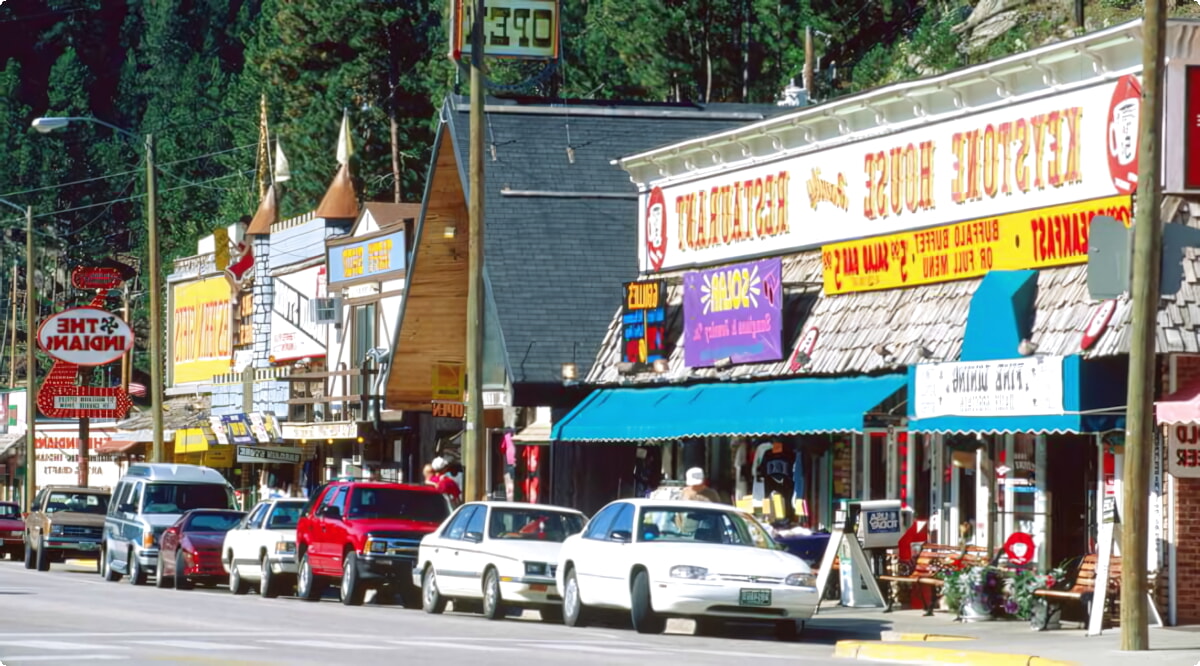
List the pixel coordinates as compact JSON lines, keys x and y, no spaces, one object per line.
{"x":1044,"y":617}
{"x":975,"y":610}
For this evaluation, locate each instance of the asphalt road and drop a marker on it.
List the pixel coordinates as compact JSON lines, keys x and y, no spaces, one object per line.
{"x":69,"y":615}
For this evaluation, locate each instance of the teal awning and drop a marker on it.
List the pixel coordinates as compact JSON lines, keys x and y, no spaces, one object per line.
{"x":748,"y":409}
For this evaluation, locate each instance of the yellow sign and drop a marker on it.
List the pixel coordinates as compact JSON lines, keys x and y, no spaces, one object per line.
{"x":221,"y":247}
{"x":200,"y":321}
{"x":448,"y":381}
{"x":220,"y":457}
{"x":190,"y":440}
{"x":1039,"y":238}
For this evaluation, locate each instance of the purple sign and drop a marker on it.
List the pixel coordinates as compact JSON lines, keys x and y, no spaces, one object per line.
{"x":733,"y":312}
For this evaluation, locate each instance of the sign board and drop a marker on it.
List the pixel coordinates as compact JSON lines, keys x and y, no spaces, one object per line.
{"x":259,"y":428}
{"x":733,"y":312}
{"x":294,"y":334}
{"x":200,"y":330}
{"x":268,"y":454}
{"x":1038,"y":238}
{"x":1024,"y":156}
{"x":331,"y":430}
{"x":1010,"y":387}
{"x":1020,"y":548}
{"x":220,"y":435}
{"x":95,"y":277}
{"x":237,"y":429}
{"x":370,"y":258}
{"x":63,"y":400}
{"x":1191,"y":129}
{"x":526,"y":29}
{"x":1183,"y":450}
{"x":449,"y":410}
{"x":495,"y":399}
{"x":58,"y":460}
{"x":449,"y":382}
{"x":644,"y":322}
{"x":85,"y":336}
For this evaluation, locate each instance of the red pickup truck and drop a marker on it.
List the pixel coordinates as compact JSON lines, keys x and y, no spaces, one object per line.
{"x":365,"y":534}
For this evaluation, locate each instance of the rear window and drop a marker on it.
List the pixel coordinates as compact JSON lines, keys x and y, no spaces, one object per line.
{"x":536,"y":524}
{"x":397,"y":504}
{"x":181,"y":497}
{"x":212,"y":522}
{"x":77,"y":502}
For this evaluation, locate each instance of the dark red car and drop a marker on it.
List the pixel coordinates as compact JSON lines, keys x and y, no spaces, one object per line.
{"x":190,"y":550}
{"x":12,"y":527}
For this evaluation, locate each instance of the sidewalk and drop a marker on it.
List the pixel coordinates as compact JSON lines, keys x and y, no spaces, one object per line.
{"x":907,"y":636}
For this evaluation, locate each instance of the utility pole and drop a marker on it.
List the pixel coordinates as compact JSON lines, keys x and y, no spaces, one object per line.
{"x":808,"y":63}
{"x":30,"y":367}
{"x":12,"y":346}
{"x":156,"y":335}
{"x":474,"y":441}
{"x":1147,"y":249}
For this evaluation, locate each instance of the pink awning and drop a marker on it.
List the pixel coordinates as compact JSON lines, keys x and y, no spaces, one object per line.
{"x":1182,"y":406}
{"x":115,"y":446}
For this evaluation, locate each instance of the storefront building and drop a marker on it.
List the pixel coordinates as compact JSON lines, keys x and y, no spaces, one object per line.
{"x":937,"y":228}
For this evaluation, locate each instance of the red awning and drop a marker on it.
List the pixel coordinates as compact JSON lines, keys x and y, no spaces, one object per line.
{"x":1182,"y":406}
{"x":116,"y":446}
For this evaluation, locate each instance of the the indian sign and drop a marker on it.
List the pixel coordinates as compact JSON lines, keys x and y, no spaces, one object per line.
{"x":1010,"y":387}
{"x":1074,"y":146}
{"x":200,"y":330}
{"x":1030,"y":239}
{"x":372,"y":257}
{"x":85,"y":336}
{"x":733,"y":312}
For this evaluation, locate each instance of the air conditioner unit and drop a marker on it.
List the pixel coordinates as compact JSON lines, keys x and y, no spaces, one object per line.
{"x":326,"y":310}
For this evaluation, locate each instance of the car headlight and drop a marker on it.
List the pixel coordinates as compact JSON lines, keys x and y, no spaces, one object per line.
{"x":56,"y":530}
{"x":374,"y":546}
{"x":801,"y":580}
{"x":687,"y":571}
{"x":537,"y":569}
{"x":285,"y":547}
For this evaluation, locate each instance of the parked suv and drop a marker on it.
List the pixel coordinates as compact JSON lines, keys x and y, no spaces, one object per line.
{"x":64,"y":522}
{"x":366,"y":535}
{"x":148,"y":500}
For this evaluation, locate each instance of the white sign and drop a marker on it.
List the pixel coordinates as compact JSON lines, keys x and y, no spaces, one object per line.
{"x":85,"y":336}
{"x":1010,"y":387}
{"x":1154,"y":556}
{"x":108,"y":402}
{"x":293,"y":333}
{"x":58,"y":462}
{"x":1035,"y":154}
{"x":1183,"y":450}
{"x":333,"y":430}
{"x":268,"y":454}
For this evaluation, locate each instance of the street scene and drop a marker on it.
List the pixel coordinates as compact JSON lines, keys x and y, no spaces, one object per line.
{"x":522,"y":331}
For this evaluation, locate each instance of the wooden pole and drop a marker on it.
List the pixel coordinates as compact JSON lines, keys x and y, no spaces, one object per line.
{"x":156,"y":295}
{"x":12,"y":346}
{"x":809,"y":56}
{"x":473,"y":444}
{"x":30,"y":367}
{"x":1147,"y":250}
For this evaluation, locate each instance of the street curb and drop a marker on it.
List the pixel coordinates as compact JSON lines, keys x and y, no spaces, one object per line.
{"x":910,"y":654}
{"x":899,"y":636}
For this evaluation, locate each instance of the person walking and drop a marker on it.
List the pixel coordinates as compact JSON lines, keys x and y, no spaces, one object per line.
{"x":697,"y":487}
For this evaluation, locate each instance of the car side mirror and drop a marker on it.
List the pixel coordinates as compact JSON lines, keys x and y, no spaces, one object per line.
{"x":473,"y":537}
{"x":621,"y":536}
{"x":330,"y":511}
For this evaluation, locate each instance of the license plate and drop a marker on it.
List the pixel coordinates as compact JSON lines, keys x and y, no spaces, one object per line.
{"x":754,"y":598}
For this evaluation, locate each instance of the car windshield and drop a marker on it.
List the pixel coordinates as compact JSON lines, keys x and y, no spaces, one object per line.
{"x":77,"y":502}
{"x":285,"y":515}
{"x":689,"y":525}
{"x":9,"y":511}
{"x":213,"y":522}
{"x":181,"y":497}
{"x":398,"y":504}
{"x":536,"y":524}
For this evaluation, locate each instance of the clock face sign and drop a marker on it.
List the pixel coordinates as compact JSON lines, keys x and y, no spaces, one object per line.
{"x":1123,"y":113}
{"x":1019,"y":548}
{"x":1097,"y":323}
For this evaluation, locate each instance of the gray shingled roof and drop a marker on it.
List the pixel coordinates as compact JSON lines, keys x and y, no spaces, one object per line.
{"x":926,"y":323}
{"x":556,"y":263}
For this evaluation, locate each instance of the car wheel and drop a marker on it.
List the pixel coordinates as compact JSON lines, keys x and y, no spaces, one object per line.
{"x":28,"y":553}
{"x":268,"y":584}
{"x":236,"y":584}
{"x":352,"y":588}
{"x":106,"y":570}
{"x":575,"y":614}
{"x":307,"y":584}
{"x":136,"y":575}
{"x":43,"y":557}
{"x":493,"y":604}
{"x":645,"y":620}
{"x":181,"y":579}
{"x":551,"y":614}
{"x":432,"y":601}
{"x":788,"y":630}
{"x":160,"y":576}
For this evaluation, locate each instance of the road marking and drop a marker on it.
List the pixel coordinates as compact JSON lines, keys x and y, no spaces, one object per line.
{"x":62,"y":657}
{"x":333,"y":645}
{"x":453,"y":646}
{"x":196,"y":645}
{"x":58,"y":645}
{"x":584,"y":648}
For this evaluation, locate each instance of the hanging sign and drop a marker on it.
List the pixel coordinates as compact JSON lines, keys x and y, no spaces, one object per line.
{"x":804,"y":349}
{"x":85,"y":336}
{"x":449,"y":382}
{"x":526,"y":29}
{"x":268,"y":454}
{"x":1097,"y":323}
{"x":237,"y":428}
{"x":733,"y":312}
{"x":1010,"y":387}
{"x":644,"y":322}
{"x":1183,"y":455}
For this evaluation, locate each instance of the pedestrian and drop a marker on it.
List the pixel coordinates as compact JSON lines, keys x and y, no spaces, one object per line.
{"x":431,"y":477}
{"x":445,"y":483}
{"x":697,"y":487}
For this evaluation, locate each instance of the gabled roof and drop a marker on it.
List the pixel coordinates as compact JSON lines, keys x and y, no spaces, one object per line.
{"x":561,"y":232}
{"x":388,"y":215}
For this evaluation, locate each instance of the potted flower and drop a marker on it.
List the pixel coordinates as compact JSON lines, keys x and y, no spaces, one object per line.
{"x":972,"y":591}
{"x":1022,"y":601}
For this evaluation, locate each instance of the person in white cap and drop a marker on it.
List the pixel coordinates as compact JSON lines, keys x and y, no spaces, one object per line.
{"x":697,"y":488}
{"x":445,"y":484}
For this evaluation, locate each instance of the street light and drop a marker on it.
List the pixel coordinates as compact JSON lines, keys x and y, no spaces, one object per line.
{"x":30,"y":368}
{"x":45,"y":125}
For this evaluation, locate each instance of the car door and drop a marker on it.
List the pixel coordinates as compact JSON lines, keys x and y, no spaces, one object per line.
{"x":243,"y":540}
{"x":452,"y":574}
{"x":613,"y":554}
{"x":167,"y":546}
{"x":586,"y":557}
{"x":317,"y":546}
{"x":470,"y":559}
{"x":334,"y":533}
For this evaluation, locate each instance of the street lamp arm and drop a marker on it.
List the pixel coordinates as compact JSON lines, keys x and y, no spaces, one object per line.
{"x":49,"y":124}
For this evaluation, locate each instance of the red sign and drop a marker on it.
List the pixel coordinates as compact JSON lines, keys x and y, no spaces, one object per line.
{"x":804,"y":349}
{"x":656,"y":229}
{"x":95,"y":278}
{"x":1097,"y":323}
{"x":85,"y":336}
{"x":1122,"y":135}
{"x":1019,"y":548}
{"x":1191,"y":129}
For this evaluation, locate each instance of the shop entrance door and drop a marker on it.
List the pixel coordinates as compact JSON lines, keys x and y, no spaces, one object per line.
{"x":1020,"y":490}
{"x":878,"y":465}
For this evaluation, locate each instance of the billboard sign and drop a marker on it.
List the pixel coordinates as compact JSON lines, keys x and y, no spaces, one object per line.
{"x":85,"y":336}
{"x":733,"y":312}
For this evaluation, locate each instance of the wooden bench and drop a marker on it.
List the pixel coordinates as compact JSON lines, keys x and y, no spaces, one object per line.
{"x":1083,"y":588}
{"x":931,"y":560}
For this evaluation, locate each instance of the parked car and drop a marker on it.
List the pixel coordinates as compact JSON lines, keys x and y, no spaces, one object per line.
{"x":64,"y":522}
{"x":148,"y":499}
{"x":262,"y":548}
{"x":12,"y":530}
{"x":366,"y":534}
{"x":190,"y":551}
{"x":503,"y":553}
{"x":659,"y":559}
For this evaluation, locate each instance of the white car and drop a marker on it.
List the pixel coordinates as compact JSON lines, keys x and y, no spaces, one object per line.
{"x":262,"y":548}
{"x":658,"y":559}
{"x":502,"y":553}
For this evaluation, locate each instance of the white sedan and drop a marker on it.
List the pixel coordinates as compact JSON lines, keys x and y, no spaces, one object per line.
{"x":670,"y":558}
{"x":262,"y":548}
{"x":502,"y":553}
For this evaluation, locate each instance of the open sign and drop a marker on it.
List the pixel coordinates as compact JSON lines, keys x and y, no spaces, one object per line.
{"x":85,"y":336}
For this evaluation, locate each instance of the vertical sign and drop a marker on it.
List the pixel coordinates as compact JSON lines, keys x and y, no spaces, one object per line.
{"x":1191,"y":127}
{"x":644,"y":322}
